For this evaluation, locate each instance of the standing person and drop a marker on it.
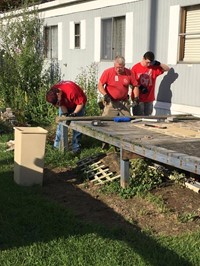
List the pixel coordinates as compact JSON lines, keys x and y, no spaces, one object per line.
{"x":114,"y":86}
{"x":146,"y":73}
{"x":71,"y":100}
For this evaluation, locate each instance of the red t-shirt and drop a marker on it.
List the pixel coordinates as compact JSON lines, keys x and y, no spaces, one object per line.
{"x":117,"y":85}
{"x":146,"y":76}
{"x":72,"y":95}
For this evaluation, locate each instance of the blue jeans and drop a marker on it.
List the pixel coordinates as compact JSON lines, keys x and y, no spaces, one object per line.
{"x":76,"y":136}
{"x":144,"y":108}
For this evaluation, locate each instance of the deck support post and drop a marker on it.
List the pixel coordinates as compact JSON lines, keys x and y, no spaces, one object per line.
{"x":64,"y":145}
{"x":124,"y":170}
{"x":125,"y":156}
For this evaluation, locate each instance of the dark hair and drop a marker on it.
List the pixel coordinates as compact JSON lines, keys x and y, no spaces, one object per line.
{"x":51,"y":96}
{"x":149,"y":55}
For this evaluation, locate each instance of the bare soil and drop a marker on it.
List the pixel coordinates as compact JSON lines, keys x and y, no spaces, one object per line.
{"x":88,"y":203}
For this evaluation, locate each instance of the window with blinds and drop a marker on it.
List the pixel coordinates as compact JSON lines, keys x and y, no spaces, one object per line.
{"x":190,"y":34}
{"x":112,"y":37}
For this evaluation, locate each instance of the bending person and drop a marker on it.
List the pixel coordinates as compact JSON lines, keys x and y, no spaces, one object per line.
{"x":71,"y":100}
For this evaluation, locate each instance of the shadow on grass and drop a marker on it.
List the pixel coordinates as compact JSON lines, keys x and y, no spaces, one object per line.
{"x":26,"y":218}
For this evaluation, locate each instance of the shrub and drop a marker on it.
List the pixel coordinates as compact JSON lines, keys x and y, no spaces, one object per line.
{"x":24,"y":77}
{"x":87,"y":79}
{"x":143,"y":178}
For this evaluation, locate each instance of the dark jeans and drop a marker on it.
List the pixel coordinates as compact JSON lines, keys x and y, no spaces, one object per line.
{"x":76,"y":136}
{"x":144,"y":109}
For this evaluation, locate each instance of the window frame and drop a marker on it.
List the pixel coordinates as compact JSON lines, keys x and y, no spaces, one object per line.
{"x":112,"y":45}
{"x":50,"y":45}
{"x":185,"y":37}
{"x":77,"y":35}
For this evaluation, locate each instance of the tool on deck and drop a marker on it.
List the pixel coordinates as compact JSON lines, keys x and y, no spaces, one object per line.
{"x":121,"y":119}
{"x":146,"y":119}
{"x":156,"y":126}
{"x":98,"y":123}
{"x":171,"y":119}
{"x":136,"y":120}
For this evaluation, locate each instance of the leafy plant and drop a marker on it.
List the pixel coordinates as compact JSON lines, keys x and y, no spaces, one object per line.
{"x":178,"y":178}
{"x":87,"y":79}
{"x":143,"y":177}
{"x":5,"y":127}
{"x":111,"y":188}
{"x":24,"y":77}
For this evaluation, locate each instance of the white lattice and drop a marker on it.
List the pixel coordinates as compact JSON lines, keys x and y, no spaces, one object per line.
{"x":96,"y":172}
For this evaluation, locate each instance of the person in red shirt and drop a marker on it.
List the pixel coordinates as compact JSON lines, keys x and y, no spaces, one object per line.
{"x":146,"y":73}
{"x":114,"y":85}
{"x":71,"y":100}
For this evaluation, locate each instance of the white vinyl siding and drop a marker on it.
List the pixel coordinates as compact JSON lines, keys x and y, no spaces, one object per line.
{"x":97,"y":39}
{"x":174,"y":18}
{"x":129,"y":37}
{"x":60,"y":32}
{"x":83,"y":34}
{"x":71,"y":35}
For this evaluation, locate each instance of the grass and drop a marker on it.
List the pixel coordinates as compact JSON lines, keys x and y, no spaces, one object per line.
{"x":36,"y":231}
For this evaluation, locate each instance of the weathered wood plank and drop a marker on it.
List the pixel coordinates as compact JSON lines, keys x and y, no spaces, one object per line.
{"x":110,"y":118}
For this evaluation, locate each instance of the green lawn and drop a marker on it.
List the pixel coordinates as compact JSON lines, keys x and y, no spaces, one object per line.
{"x":34,"y":231}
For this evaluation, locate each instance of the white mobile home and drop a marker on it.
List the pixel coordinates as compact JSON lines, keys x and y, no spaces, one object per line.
{"x":82,"y":32}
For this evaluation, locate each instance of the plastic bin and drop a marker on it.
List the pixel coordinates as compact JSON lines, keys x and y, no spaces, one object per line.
{"x":29,"y":155}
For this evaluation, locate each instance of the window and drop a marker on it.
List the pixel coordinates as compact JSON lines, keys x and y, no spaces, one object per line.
{"x":113,"y":37}
{"x":51,"y":42}
{"x":77,"y":35}
{"x":190,"y":34}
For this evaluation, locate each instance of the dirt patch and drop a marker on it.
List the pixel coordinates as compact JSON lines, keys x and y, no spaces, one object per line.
{"x":180,"y":212}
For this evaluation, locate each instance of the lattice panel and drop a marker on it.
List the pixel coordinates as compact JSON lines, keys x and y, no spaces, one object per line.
{"x":97,"y":172}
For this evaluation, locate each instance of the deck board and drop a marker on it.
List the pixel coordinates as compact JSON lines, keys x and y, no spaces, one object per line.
{"x":178,"y":145}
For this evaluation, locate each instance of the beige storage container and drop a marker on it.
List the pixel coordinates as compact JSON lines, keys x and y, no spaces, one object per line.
{"x":29,"y":155}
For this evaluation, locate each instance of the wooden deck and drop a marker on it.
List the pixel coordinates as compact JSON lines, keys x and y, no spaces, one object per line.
{"x":177,"y":145}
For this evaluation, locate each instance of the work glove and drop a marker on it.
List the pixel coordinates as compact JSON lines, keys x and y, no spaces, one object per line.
{"x":143,"y":89}
{"x":65,"y":114}
{"x":155,"y":63}
{"x":107,"y":98}
{"x":72,"y":115}
{"x":135,"y":102}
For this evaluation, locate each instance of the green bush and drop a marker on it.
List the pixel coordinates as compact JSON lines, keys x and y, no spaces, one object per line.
{"x":24,"y":77}
{"x":87,"y":79}
{"x":143,"y":178}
